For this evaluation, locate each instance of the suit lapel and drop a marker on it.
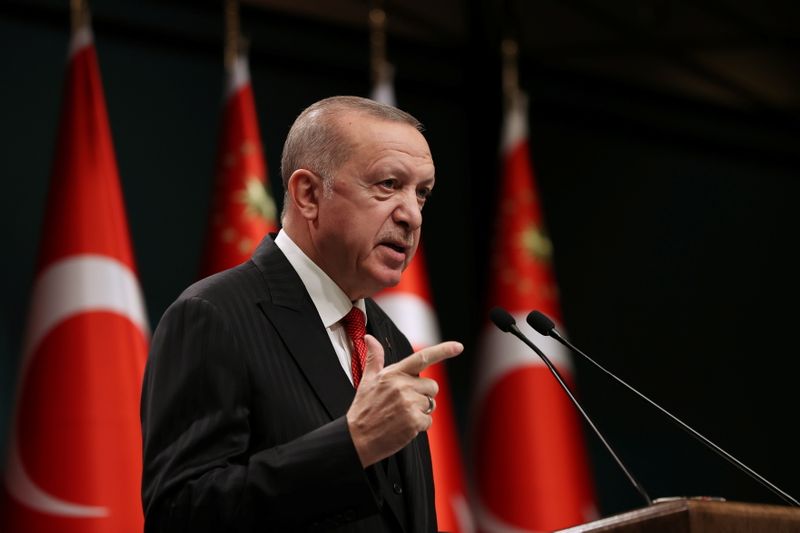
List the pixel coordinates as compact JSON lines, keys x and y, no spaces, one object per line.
{"x":296,"y":320}
{"x":377,"y":327}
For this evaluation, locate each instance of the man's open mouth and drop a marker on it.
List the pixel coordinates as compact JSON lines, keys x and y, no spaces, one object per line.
{"x":399,"y":248}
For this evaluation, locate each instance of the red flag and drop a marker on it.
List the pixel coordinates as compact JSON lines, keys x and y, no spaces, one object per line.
{"x":243,"y":210}
{"x":74,"y":458}
{"x":531,"y":470}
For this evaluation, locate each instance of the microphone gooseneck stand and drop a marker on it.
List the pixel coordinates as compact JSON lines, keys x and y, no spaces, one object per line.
{"x":506,"y":323}
{"x":544,"y":326}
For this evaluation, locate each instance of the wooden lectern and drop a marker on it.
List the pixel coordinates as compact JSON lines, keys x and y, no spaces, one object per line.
{"x":697,"y":515}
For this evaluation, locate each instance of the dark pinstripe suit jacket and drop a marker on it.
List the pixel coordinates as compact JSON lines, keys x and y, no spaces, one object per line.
{"x":243,"y":415}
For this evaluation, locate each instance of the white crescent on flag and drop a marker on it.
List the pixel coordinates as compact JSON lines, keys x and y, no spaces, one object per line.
{"x":506,"y":353}
{"x":77,"y":284}
{"x":412,"y":315}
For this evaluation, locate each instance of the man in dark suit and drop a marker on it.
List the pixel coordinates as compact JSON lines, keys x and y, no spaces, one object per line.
{"x":265,"y":406}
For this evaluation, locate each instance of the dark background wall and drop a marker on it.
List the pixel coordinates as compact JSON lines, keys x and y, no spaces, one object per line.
{"x":673,"y":218}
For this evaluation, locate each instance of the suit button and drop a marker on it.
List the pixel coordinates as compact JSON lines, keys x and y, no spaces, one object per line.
{"x":397,"y":488}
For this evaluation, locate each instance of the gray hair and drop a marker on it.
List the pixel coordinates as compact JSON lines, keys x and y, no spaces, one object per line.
{"x":317,"y":143}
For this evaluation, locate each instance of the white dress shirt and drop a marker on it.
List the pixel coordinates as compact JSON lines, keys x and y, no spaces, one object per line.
{"x":331,"y":302}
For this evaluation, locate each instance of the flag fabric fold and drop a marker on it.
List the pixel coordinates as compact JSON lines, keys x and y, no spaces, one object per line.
{"x":74,"y":452}
{"x":530,"y":466}
{"x":243,"y":210}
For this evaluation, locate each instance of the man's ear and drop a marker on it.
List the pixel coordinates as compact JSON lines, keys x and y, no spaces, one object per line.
{"x":305,"y":192}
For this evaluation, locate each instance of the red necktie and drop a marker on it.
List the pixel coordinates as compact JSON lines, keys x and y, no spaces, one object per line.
{"x":355,"y":325}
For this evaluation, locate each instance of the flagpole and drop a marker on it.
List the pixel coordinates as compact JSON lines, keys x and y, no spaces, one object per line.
{"x":510,"y":51}
{"x":79,"y":14}
{"x":377,"y":25}
{"x":232,"y":36}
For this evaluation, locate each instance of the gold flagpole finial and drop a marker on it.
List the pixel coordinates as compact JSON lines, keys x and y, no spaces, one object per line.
{"x":233,"y":41}
{"x":377,"y":25}
{"x":510,"y":51}
{"x":79,"y":13}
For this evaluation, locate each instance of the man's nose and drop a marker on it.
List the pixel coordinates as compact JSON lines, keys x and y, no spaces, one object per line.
{"x":408,"y":212}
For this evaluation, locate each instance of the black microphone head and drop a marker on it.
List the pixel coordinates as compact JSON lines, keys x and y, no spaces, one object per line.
{"x":539,"y":321}
{"x":502,"y":319}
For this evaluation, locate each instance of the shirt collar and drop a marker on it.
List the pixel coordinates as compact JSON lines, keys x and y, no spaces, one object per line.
{"x":331,"y":302}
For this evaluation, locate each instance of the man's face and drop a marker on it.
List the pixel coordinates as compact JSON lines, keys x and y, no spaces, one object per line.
{"x":368,"y":229}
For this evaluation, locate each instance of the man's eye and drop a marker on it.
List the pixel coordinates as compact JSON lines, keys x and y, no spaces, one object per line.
{"x":424,"y":194}
{"x":388,"y":183}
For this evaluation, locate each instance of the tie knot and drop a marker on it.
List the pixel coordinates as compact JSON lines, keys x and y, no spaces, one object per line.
{"x":355,"y":324}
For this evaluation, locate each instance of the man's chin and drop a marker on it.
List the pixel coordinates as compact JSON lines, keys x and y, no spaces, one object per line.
{"x":389,"y":278}
{"x":392,"y":281}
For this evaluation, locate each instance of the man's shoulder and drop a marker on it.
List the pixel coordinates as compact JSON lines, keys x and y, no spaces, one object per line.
{"x":225,"y":284}
{"x":244,"y":279}
{"x":228,"y":295}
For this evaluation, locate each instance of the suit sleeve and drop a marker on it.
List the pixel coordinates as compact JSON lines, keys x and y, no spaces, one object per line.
{"x":199,"y":471}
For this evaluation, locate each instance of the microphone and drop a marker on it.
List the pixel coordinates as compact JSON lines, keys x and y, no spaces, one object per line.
{"x":544,"y":326}
{"x":507,"y":324}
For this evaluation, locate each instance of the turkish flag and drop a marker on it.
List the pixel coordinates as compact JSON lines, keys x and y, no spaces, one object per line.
{"x":243,"y":210}
{"x":409,"y":306}
{"x":531,"y":470}
{"x":75,"y":458}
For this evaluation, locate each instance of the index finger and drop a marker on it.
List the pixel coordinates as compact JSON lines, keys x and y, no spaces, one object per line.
{"x":419,"y":361}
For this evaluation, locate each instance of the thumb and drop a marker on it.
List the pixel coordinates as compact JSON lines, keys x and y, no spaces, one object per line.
{"x":374,"y":363}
